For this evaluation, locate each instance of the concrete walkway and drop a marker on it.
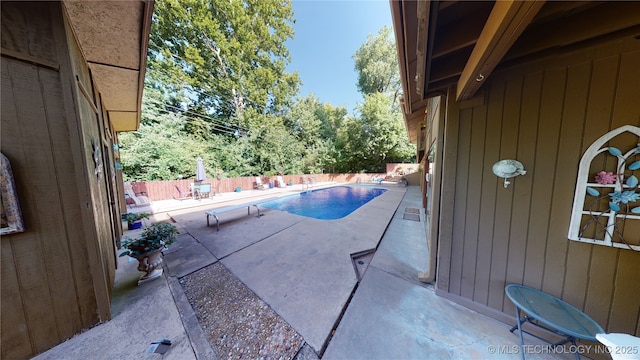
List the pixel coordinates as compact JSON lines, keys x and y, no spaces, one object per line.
{"x":303,"y":269}
{"x":394,"y":316}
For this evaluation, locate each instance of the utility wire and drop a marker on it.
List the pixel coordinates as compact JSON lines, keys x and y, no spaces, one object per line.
{"x":211,"y":119}
{"x":217,"y":124}
{"x":215,"y":127}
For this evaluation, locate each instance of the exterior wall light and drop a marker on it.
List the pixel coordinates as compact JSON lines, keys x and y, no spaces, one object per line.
{"x":508,"y":169}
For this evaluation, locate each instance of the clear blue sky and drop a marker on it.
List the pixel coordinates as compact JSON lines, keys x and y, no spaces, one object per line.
{"x":327,"y":34}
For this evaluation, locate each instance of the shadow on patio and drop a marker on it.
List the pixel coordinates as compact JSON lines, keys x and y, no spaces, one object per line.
{"x":291,"y":284}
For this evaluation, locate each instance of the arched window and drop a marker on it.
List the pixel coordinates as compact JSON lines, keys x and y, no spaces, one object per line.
{"x":606,"y":206}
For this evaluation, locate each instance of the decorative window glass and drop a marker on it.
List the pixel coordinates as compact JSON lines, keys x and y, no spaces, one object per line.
{"x":606,"y":206}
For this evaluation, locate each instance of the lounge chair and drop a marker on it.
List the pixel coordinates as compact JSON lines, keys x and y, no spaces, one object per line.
{"x":138,"y":200}
{"x":280,"y":182}
{"x":183,"y":195}
{"x":305,"y":182}
{"x":259,"y":185}
{"x":309,"y":181}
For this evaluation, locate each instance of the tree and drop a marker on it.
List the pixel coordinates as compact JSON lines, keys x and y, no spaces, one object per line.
{"x":376,"y":62}
{"x":159,"y":150}
{"x":276,"y":150}
{"x":216,"y":88}
{"x":315,"y":126}
{"x":376,"y":138}
{"x":222,"y":57}
{"x":215,"y":70}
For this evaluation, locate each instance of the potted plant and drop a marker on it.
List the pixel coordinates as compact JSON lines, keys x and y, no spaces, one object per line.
{"x":134,"y":220}
{"x":147,"y":248}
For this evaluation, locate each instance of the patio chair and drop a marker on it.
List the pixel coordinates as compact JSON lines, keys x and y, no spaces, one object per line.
{"x":259,"y":184}
{"x":280,"y":182}
{"x":205,"y":191}
{"x":183,"y":195}
{"x":138,"y":200}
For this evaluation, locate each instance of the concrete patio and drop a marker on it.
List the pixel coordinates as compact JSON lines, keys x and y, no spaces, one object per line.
{"x":303,"y":269}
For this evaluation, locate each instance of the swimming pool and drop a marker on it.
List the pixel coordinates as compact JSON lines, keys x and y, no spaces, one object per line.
{"x":326,"y":204}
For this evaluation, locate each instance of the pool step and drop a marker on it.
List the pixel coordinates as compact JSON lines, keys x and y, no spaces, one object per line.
{"x":361,"y":261}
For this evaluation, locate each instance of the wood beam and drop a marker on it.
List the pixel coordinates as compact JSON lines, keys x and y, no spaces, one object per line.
{"x":448,"y":66}
{"x":507,"y":21}
{"x":421,"y":46}
{"x":454,"y":37}
{"x":555,"y":10}
{"x":593,"y":22}
{"x":401,"y":46}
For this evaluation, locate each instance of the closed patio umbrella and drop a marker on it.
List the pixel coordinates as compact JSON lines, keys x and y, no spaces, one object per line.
{"x":200,"y":174}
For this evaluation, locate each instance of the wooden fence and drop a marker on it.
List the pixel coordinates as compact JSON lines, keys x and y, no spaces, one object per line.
{"x":166,"y":189}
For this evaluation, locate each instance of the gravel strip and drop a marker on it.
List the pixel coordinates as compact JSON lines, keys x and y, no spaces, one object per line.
{"x":237,"y":322}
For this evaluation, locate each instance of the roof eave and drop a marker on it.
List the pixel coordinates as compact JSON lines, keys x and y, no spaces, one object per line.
{"x":113,"y":36}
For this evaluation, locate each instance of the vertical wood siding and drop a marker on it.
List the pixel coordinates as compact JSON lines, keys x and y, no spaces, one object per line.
{"x":544,"y":114}
{"x":101,"y":251}
{"x":51,"y":286}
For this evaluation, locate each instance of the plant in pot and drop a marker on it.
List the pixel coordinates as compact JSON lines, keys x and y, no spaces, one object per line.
{"x":134,"y":220}
{"x":147,"y":248}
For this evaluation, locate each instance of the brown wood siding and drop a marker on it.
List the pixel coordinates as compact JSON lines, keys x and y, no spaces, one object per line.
{"x":101,"y":250}
{"x":33,"y":122}
{"x":544,"y":114}
{"x":48,"y":283}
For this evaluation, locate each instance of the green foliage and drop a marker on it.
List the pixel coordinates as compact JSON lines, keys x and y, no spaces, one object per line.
{"x":154,"y":237}
{"x":216,"y":88}
{"x":315,"y":126}
{"x":223,"y":56}
{"x":276,"y":150}
{"x":376,"y":138}
{"x":133,"y":217}
{"x":376,"y":62}
{"x":236,"y":159}
{"x":159,"y":150}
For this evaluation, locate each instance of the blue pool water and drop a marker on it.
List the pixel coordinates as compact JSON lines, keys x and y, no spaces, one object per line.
{"x":326,"y":204}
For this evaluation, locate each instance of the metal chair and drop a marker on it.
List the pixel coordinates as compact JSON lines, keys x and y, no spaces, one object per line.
{"x":204,"y":191}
